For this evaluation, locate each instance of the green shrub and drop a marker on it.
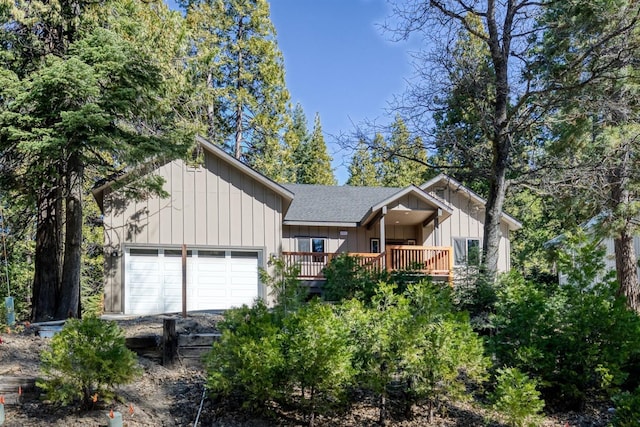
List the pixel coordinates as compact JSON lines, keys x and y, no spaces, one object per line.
{"x":246,"y":365}
{"x":318,"y":357}
{"x":414,"y":343}
{"x":576,"y":340}
{"x":288,"y":292}
{"x":627,"y":409}
{"x":517,"y":398}
{"x":378,"y":334}
{"x":346,"y":279}
{"x":88,"y":356}
{"x":444,"y":354}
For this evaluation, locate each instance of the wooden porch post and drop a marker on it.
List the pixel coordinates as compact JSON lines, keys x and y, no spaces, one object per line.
{"x":382,"y":237}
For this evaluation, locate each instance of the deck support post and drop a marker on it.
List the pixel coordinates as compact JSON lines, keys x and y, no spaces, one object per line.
{"x":169,"y":341}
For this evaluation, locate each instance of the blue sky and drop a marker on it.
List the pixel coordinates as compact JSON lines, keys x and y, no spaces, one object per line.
{"x":339,"y":64}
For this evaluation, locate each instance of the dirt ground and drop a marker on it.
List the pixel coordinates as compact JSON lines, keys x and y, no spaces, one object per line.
{"x":174,"y":397}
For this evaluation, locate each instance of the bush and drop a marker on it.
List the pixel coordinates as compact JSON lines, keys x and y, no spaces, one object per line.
{"x":246,"y":365}
{"x":88,"y":356}
{"x":318,"y":357}
{"x":378,"y":333}
{"x":414,"y":343}
{"x":444,"y":354}
{"x":627,"y":413}
{"x":346,"y":279}
{"x":517,"y":398}
{"x":575,"y":340}
{"x":288,"y":292}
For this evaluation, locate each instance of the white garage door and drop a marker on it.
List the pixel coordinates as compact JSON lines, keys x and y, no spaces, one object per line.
{"x":216,"y":280}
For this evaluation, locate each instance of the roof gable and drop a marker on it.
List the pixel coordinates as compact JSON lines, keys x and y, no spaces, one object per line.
{"x":443,"y":179}
{"x":219,"y":153}
{"x":347,"y":205}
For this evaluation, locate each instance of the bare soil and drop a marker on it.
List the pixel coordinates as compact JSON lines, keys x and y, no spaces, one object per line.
{"x":174,"y":397}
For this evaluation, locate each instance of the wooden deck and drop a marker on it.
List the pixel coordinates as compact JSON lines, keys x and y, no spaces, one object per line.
{"x":433,"y":261}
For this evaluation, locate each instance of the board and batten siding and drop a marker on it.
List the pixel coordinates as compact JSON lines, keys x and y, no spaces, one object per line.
{"x":466,"y":221}
{"x":214,"y":206}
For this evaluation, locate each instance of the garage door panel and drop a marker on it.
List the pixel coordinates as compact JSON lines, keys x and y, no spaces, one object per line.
{"x":216,"y":279}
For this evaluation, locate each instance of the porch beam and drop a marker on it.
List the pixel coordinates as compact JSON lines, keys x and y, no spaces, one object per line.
{"x":432,"y":217}
{"x":375,"y":219}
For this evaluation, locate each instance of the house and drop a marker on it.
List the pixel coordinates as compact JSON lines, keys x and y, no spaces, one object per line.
{"x":223,"y":221}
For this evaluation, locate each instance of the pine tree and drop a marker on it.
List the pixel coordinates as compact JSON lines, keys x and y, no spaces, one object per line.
{"x":235,"y":63}
{"x":362,"y":170}
{"x":296,"y":140}
{"x":80,"y":91}
{"x":316,"y":162}
{"x":406,"y":158}
{"x":590,"y":65}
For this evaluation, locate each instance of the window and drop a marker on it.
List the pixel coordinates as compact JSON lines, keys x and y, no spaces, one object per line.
{"x":466,"y":251}
{"x":313,"y":244}
{"x":375,"y":246}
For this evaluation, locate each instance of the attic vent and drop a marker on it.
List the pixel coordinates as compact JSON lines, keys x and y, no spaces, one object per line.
{"x":440,"y":192}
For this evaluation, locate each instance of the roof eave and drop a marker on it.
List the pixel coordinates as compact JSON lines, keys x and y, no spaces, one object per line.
{"x":320,"y":223}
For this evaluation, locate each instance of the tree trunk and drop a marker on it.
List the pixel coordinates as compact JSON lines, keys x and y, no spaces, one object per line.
{"x":239,"y":107}
{"x":69,"y":304}
{"x":493,"y":212}
{"x":46,"y":280}
{"x":499,"y":47}
{"x":627,"y":270}
{"x":626,"y":261}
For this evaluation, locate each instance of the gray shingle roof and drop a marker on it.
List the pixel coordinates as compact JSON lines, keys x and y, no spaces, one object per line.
{"x":324,"y":203}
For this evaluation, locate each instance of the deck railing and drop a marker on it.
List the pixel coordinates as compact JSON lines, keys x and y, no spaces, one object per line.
{"x":436,"y":261}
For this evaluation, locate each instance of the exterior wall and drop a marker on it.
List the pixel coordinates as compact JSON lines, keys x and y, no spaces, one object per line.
{"x":356,"y":239}
{"x":215,"y":206}
{"x":467,"y":220}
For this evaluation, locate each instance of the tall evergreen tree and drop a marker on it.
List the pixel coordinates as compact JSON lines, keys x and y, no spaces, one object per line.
{"x":316,"y":164}
{"x":461,"y":142}
{"x":405,"y":160}
{"x":78,"y":90}
{"x":241,"y":97}
{"x":362,"y":170}
{"x":590,"y":62}
{"x":296,"y":141}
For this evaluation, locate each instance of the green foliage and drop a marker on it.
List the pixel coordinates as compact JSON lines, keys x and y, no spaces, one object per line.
{"x":378,"y":333}
{"x":576,"y":340}
{"x":517,"y":398}
{"x":346,"y":278}
{"x":443,"y":347}
{"x":318,"y":357}
{"x":405,"y":157}
{"x":238,"y":81}
{"x":581,"y":258}
{"x":285,"y":286}
{"x":416,"y":341}
{"x":92,"y":272}
{"x":88,"y":356}
{"x":362,"y":170}
{"x":315,"y":166}
{"x":18,"y":264}
{"x":627,"y":409}
{"x":247,"y":365}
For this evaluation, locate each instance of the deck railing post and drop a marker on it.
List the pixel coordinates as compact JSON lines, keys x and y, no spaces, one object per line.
{"x":450,"y":255}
